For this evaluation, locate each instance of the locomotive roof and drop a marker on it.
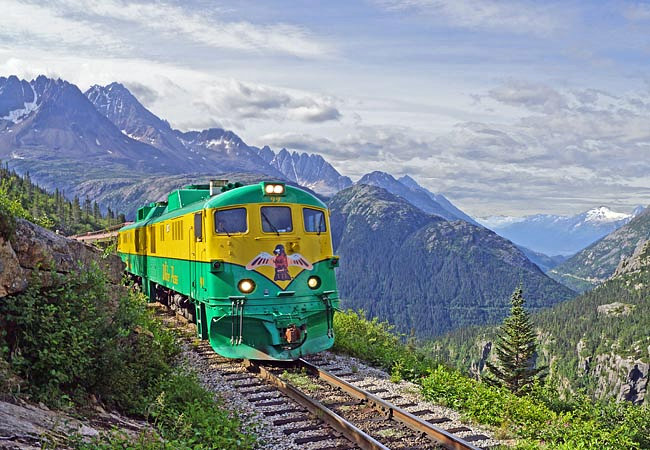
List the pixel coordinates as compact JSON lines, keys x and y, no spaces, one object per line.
{"x":252,"y":193}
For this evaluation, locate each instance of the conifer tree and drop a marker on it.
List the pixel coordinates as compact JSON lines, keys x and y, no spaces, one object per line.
{"x":515,"y":348}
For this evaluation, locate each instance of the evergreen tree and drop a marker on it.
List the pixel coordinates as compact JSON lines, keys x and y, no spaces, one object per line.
{"x":516,"y":345}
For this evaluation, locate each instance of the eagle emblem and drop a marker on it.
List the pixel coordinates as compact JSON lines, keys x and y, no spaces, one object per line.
{"x":280,"y":261}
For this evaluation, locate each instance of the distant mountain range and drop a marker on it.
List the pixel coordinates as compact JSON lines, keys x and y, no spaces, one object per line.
{"x":67,"y":139}
{"x":422,"y":272}
{"x":558,"y":235}
{"x":597,"y":262}
{"x":104,"y":143}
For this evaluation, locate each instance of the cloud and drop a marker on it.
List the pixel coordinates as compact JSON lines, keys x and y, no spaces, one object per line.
{"x":490,"y":15}
{"x":116,"y":27}
{"x":234,"y":98}
{"x":538,"y":97}
{"x":145,"y":94}
{"x":205,"y":28}
{"x":25,"y":23}
{"x":574,"y":149}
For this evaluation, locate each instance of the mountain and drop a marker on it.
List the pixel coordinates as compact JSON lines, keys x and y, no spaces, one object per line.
{"x":542,"y":261}
{"x":438,"y":198}
{"x":596,"y":263}
{"x":212,"y":150}
{"x":425,"y":273}
{"x":415,"y":194}
{"x":558,"y":235}
{"x":48,"y":126}
{"x":596,"y":343}
{"x":306,"y":169}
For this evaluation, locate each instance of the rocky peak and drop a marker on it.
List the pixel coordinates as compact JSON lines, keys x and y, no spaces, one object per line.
{"x":120,"y":106}
{"x":306,"y":169}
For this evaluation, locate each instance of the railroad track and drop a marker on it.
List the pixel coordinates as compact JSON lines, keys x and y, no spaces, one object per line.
{"x":313,"y":408}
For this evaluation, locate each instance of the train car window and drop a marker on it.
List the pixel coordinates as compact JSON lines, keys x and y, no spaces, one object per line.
{"x":230,"y":221}
{"x":314,"y":220}
{"x":152,"y":239}
{"x":276,"y":219}
{"x":198,"y":227}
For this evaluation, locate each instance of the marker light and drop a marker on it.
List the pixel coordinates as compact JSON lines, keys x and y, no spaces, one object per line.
{"x":246,"y":286}
{"x":313,"y":282}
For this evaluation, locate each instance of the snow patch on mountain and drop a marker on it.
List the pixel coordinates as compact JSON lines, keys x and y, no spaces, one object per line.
{"x":18,"y":115}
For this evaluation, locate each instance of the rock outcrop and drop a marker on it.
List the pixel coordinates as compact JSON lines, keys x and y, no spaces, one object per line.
{"x":638,"y":260}
{"x":26,"y":426}
{"x":33,"y":248}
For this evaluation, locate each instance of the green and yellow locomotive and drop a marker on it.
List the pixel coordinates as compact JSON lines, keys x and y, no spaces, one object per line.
{"x":252,"y":265}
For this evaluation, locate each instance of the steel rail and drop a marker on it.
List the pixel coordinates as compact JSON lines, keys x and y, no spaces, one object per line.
{"x":364,"y":440}
{"x":439,"y":435}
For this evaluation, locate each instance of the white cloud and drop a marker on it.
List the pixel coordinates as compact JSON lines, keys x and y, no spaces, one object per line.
{"x":203,"y":28}
{"x":493,"y":15}
{"x":25,"y":23}
{"x":237,"y":99}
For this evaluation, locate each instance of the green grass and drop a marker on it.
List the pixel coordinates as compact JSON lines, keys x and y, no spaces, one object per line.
{"x":538,"y":420}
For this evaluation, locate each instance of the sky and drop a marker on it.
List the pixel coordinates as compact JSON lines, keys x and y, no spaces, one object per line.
{"x":506,"y":107}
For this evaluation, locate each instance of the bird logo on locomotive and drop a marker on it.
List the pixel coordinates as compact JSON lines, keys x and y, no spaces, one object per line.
{"x":280,"y":261}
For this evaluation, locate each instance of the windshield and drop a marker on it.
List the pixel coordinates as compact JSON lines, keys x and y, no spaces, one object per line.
{"x":276,"y":219}
{"x":314,"y":220}
{"x":230,"y":221}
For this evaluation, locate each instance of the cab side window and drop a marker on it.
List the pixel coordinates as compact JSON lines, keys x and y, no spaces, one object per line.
{"x":314,"y":220}
{"x":230,"y":221}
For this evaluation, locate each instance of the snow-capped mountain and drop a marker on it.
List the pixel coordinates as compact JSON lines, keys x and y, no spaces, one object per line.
{"x":558,"y":235}
{"x":306,"y":169}
{"x":407,"y":188}
{"x":50,"y":123}
{"x":212,"y":150}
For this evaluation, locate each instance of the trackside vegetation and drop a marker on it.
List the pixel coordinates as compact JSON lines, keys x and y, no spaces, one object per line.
{"x":82,"y":342}
{"x":538,"y":419}
{"x":21,"y":197}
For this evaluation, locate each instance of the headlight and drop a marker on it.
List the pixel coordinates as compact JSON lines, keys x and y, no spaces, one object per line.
{"x":246,"y":286}
{"x":274,"y":189}
{"x":313,"y":282}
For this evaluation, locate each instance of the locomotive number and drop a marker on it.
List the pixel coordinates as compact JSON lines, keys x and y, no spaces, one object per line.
{"x":275,"y":199}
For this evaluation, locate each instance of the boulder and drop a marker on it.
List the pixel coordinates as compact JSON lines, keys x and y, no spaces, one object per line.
{"x":39,"y":249}
{"x":12,"y":276}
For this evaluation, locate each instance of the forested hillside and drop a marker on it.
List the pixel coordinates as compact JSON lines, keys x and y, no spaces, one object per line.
{"x":423,"y":273}
{"x":596,"y":263}
{"x":27,"y":200}
{"x":597,"y":342}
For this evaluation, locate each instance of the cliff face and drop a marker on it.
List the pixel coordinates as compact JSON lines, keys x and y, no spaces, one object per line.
{"x":32,"y":248}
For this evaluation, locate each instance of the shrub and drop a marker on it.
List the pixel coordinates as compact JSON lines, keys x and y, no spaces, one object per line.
{"x":71,"y":340}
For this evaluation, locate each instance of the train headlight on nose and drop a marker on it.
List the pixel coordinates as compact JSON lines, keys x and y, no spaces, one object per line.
{"x":274,"y":189}
{"x":313,"y":282}
{"x":246,"y":286}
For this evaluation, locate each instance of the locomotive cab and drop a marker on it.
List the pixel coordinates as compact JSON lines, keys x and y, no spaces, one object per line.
{"x":255,"y":261}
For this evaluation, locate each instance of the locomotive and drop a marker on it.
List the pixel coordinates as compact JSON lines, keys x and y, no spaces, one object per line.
{"x":252,"y":266}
